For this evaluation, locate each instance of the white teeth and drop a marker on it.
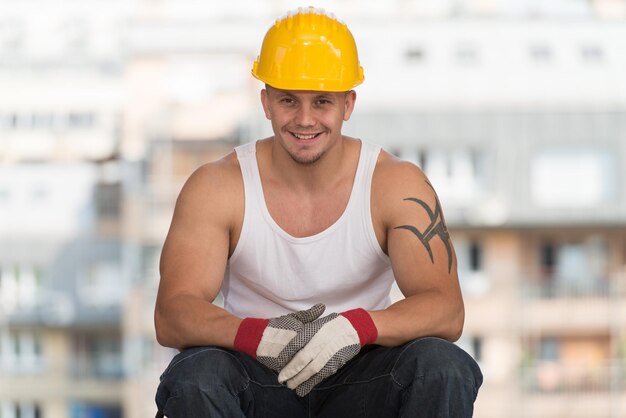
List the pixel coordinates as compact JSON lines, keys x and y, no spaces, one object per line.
{"x":300,"y":136}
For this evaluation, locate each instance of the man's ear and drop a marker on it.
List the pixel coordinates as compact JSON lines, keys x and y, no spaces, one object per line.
{"x":350,"y":100}
{"x":265,"y":102}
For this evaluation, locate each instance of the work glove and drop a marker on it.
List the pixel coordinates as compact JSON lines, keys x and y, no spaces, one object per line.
{"x":267,"y":340}
{"x":324,"y":346}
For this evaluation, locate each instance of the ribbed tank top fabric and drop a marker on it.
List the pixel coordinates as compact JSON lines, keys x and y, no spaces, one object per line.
{"x":271,"y":272}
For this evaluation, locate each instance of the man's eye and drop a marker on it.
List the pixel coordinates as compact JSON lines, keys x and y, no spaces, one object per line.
{"x":286,"y":100}
{"x":323,"y":101}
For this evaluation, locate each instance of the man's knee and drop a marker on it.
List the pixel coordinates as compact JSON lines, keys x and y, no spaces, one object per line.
{"x":432,"y":357}
{"x":205,"y":367}
{"x":203,"y":381}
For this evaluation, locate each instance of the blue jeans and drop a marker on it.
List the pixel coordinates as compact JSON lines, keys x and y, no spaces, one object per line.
{"x":427,"y":377}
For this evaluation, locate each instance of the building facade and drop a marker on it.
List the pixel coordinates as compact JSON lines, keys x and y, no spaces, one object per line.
{"x":516,"y":110}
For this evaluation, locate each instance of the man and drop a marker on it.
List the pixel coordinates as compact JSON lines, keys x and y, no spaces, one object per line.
{"x":304,"y":233}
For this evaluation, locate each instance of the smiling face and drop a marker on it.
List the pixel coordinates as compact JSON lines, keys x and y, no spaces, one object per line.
{"x":306,"y":124}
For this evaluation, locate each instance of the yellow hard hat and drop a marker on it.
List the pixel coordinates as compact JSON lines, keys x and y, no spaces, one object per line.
{"x":309,"y":50}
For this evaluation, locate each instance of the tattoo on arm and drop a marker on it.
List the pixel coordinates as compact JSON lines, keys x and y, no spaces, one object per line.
{"x":437,"y":228}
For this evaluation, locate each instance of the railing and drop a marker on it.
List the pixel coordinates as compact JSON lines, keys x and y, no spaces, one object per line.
{"x":100,"y":367}
{"x":553,"y":289}
{"x":22,"y":366}
{"x":556,"y":378}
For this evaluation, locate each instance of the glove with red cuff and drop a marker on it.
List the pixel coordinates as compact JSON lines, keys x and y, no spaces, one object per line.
{"x":268,"y":340}
{"x":326,"y":344}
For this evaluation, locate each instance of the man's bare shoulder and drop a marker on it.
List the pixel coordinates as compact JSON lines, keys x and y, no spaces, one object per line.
{"x":215,"y":186}
{"x":216,"y":176}
{"x":396,"y":181}
{"x":397,"y":176}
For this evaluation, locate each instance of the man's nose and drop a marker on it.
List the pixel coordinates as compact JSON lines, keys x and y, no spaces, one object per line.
{"x":305,"y":116}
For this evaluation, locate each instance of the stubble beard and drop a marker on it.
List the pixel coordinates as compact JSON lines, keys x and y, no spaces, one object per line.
{"x":306,"y":161}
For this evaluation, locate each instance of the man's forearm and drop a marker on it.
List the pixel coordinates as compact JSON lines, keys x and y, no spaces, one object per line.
{"x":187,"y":321}
{"x":427,"y":314}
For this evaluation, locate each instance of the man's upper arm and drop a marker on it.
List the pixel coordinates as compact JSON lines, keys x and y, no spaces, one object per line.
{"x":418,"y":242}
{"x":196,"y":249}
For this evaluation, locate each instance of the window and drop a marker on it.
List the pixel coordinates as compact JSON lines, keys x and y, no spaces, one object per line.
{"x":108,"y":200}
{"x":574,"y":268}
{"x":549,"y":349}
{"x":150,"y":263}
{"x":12,"y":120}
{"x":477,"y":348}
{"x":80,"y":119}
{"x":592,"y":54}
{"x":19,"y":286}
{"x":475,"y":256}
{"x":541,"y":53}
{"x":47,"y":120}
{"x":458,"y":174}
{"x":97,"y":356}
{"x":20,"y":410}
{"x":571,"y":177}
{"x":474,"y":280}
{"x":570,"y":363}
{"x":466,"y":55}
{"x":423,"y":160}
{"x":415,"y":55}
{"x":43,"y":120}
{"x":21,"y":352}
{"x":547,"y":259}
{"x":100,"y":284}
{"x":88,"y":410}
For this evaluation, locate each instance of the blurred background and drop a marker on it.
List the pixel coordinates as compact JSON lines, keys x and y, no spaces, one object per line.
{"x":516,"y":110}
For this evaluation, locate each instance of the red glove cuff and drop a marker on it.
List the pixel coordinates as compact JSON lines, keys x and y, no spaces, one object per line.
{"x":363,"y":324}
{"x":249,"y":335}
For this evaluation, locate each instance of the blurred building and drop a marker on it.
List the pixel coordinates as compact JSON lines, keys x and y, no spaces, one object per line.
{"x":62,"y":274}
{"x":521,"y":127}
{"x":515,"y":109}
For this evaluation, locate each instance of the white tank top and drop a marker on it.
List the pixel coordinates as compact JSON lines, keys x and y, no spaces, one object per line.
{"x":271,"y":272}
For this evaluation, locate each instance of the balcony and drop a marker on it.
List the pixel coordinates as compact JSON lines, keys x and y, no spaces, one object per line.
{"x":557,"y":288}
{"x":567,"y":305}
{"x":97,"y":367}
{"x":553,"y":389}
{"x":554,"y":378}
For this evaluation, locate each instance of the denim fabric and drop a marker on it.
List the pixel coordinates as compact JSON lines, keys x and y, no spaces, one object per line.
{"x":427,"y":377}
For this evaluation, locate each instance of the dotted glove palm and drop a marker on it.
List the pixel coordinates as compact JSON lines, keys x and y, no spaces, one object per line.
{"x":268,"y":340}
{"x":324,"y":346}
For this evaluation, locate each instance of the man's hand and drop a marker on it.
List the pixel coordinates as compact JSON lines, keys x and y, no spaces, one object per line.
{"x":324,"y":346}
{"x":267,"y":340}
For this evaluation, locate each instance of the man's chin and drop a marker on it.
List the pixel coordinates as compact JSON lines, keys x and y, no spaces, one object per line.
{"x":306,"y":159}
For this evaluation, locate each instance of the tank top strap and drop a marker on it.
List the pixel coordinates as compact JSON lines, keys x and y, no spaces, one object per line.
{"x":363,"y":182}
{"x":253,"y":189}
{"x":371,"y":153}
{"x":362,"y":217}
